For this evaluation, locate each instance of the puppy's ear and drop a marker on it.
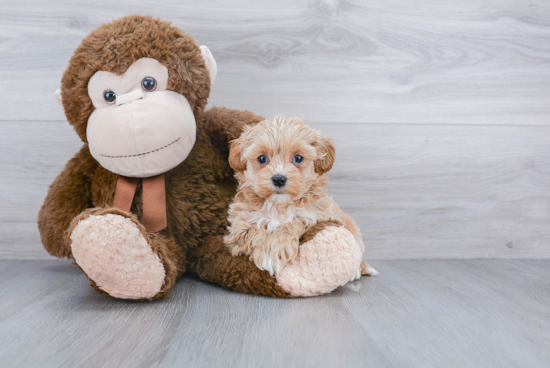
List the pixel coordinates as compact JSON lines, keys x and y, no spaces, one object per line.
{"x":327,"y":154}
{"x":235,"y":151}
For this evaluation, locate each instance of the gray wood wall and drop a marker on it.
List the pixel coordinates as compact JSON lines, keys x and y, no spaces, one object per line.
{"x":440,"y":109}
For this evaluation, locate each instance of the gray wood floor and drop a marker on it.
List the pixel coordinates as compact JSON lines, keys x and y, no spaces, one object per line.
{"x":418,"y":313}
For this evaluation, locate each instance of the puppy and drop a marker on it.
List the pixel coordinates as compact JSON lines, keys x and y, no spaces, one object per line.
{"x":281,"y":165}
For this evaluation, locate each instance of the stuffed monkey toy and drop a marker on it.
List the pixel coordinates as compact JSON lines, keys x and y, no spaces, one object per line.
{"x":145,"y":199}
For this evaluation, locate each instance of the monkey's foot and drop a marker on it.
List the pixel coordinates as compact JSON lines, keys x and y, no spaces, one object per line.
{"x":113,"y":252}
{"x":327,"y":261}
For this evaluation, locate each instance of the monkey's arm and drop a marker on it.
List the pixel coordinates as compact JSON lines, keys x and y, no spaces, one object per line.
{"x":213,"y":262}
{"x":224,"y":124}
{"x":69,"y":195}
{"x":321,"y":272}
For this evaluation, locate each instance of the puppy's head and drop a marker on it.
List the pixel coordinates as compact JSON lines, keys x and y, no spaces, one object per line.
{"x":280,"y":158}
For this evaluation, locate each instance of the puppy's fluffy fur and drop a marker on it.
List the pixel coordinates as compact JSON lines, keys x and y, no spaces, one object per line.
{"x":266,"y":220}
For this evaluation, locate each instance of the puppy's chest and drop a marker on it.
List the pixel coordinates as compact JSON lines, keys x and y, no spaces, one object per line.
{"x":272,"y":216}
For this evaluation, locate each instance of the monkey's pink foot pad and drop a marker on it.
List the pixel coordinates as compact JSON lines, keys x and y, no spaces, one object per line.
{"x":324,"y":263}
{"x":113,"y":252}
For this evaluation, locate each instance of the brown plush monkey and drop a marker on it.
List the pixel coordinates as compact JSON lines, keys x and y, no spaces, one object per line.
{"x":145,"y":199}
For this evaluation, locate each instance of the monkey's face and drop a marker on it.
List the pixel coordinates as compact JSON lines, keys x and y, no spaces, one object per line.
{"x":138,"y":128}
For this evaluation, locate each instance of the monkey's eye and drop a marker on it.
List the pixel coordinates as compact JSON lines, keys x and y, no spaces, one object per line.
{"x":298,"y":159}
{"x":149,"y":84}
{"x":262,"y":160}
{"x":109,"y":96}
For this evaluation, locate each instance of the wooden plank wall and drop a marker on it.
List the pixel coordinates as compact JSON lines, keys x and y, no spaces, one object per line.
{"x":440,"y":109}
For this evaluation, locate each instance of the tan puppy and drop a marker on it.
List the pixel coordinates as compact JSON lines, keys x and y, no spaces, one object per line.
{"x":281,"y":165}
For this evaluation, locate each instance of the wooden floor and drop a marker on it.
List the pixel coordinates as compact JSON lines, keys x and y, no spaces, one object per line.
{"x":419,"y":313}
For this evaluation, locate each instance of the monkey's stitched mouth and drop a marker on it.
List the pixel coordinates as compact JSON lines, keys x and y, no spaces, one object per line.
{"x":144,"y":153}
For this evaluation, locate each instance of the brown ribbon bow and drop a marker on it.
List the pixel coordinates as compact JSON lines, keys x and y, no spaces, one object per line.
{"x":154,"y":200}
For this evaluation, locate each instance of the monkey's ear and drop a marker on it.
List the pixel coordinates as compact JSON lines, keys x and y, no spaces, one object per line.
{"x":210,"y":63}
{"x":327,"y":153}
{"x":58,"y":97}
{"x":235,"y":151}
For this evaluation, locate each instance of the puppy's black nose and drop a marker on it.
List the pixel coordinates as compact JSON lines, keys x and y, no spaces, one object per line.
{"x":279,"y":180}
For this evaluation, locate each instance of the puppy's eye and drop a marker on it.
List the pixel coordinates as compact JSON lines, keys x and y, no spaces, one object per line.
{"x":109,"y":96}
{"x":298,"y":159}
{"x":149,"y":84}
{"x":262,"y":160}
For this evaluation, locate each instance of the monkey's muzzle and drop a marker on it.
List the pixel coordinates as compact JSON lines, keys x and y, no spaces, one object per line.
{"x":142,"y":134}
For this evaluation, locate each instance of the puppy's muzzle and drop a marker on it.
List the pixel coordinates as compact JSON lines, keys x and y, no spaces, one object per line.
{"x":279,"y":180}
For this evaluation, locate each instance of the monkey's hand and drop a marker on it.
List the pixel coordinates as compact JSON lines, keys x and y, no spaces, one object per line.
{"x":329,"y":257}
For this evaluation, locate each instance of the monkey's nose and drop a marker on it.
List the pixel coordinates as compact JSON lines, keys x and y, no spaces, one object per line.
{"x":136,"y":94}
{"x":279,"y":180}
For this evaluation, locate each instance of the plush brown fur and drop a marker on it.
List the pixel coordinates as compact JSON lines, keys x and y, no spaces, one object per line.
{"x":198,"y":191}
{"x":310,"y":233}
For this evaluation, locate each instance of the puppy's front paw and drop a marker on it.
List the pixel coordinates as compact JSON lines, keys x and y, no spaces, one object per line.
{"x":270,"y":265}
{"x":275,"y":252}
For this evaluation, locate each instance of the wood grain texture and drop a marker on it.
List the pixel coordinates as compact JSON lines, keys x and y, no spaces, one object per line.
{"x":417,"y":191}
{"x":439,"y":108}
{"x":443,"y":62}
{"x":469,"y":313}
